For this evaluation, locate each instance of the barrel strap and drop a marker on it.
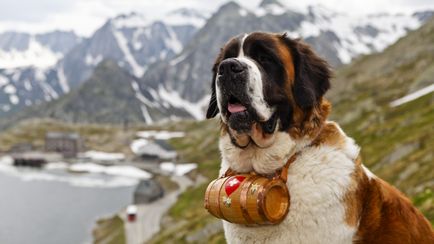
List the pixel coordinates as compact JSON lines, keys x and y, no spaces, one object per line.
{"x":284,"y":171}
{"x":229,"y":172}
{"x":281,"y":173}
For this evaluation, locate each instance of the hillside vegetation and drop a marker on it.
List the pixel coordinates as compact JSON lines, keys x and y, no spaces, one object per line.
{"x":397,"y":142}
{"x":107,"y":138}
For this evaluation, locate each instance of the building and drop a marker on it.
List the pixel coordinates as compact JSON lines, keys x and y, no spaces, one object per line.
{"x":147,"y":191}
{"x":67,"y":144}
{"x":21,"y":148}
{"x":34,"y":158}
{"x":153,"y":150}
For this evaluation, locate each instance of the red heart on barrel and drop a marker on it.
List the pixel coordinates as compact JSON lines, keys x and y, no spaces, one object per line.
{"x":233,"y":183}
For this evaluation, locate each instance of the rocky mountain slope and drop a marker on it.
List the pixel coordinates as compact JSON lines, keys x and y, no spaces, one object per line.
{"x":336,"y":36}
{"x":26,"y":73}
{"x":173,"y":56}
{"x":132,"y":40}
{"x":37,"y":50}
{"x":118,"y":101}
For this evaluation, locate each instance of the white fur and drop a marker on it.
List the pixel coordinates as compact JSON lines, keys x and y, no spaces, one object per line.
{"x":368,"y":173}
{"x":255,"y":89}
{"x":350,"y":148}
{"x":317,"y":181}
{"x":219,"y":98}
{"x":241,"y":53}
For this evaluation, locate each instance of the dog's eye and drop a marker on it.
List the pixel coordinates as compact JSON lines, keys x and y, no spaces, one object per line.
{"x":262,"y":58}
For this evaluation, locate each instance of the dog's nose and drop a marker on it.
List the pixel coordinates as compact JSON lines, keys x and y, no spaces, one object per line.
{"x":231,"y":66}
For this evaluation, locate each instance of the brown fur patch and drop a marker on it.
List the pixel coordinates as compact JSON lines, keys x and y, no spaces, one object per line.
{"x":309,"y":123}
{"x":286,"y":58}
{"x":383,"y":214}
{"x":330,"y":135}
{"x":353,"y":199}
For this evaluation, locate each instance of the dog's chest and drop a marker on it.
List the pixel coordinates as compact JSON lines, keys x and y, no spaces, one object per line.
{"x":317,"y":182}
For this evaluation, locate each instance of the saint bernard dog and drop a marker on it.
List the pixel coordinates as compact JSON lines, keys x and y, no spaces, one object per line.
{"x":268,"y":90}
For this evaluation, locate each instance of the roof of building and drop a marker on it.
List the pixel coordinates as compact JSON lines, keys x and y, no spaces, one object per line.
{"x":148,"y":188}
{"x":62,"y":135}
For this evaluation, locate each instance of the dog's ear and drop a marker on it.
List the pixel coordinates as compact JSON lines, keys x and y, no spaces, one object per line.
{"x":312,"y":74}
{"x":213,"y":109}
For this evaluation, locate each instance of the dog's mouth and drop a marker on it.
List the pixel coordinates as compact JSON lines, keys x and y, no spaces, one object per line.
{"x":258,"y":134}
{"x":245,"y":126}
{"x":239,"y":113}
{"x":235,"y":106}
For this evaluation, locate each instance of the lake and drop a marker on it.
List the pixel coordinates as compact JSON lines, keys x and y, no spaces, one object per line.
{"x":52,"y":206}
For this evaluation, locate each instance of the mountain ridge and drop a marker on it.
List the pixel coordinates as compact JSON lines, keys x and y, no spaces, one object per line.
{"x":172,"y":61}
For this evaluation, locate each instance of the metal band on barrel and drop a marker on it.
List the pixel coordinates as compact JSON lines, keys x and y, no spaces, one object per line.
{"x":208,"y":189}
{"x":260,"y":202}
{"x":243,"y":198}
{"x":218,"y":200}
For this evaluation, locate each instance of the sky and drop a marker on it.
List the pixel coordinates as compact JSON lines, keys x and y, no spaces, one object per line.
{"x":85,"y":16}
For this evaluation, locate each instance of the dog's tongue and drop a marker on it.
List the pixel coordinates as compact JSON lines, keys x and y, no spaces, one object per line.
{"x":235,"y":108}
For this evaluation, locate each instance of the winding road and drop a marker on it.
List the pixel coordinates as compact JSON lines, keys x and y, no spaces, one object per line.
{"x":149,"y":215}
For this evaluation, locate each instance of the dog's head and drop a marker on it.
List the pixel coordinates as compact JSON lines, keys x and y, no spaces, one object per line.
{"x":264,"y":83}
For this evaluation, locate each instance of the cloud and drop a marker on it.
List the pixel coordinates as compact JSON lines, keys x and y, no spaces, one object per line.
{"x":85,"y":16}
{"x":30,"y":10}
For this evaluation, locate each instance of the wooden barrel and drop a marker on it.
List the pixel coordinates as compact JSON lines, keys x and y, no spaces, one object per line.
{"x":248,"y":199}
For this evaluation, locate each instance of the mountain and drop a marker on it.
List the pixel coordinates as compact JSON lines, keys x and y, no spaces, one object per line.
{"x":37,"y":50}
{"x":336,"y":36}
{"x":27,"y":75}
{"x":117,"y":101}
{"x":45,"y":70}
{"x":133,"y":41}
{"x":172,"y":56}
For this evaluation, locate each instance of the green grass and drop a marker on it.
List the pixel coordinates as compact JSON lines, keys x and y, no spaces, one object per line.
{"x":425,"y":201}
{"x":109,"y":231}
{"x":391,"y":131}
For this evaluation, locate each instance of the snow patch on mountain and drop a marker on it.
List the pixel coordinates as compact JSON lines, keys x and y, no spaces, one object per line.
{"x":36,"y":55}
{"x":132,"y":20}
{"x":49,"y":92}
{"x":146,"y":114}
{"x":27,"y":85}
{"x":272,"y":8}
{"x":62,"y":80}
{"x":412,"y":96}
{"x":3,"y":81}
{"x":174,"y":99}
{"x":356,"y":34}
{"x":138,"y":70}
{"x":185,"y":16}
{"x":93,"y":61}
{"x":10,"y":89}
{"x":178,"y":59}
{"x":173,"y":42}
{"x":14,"y":99}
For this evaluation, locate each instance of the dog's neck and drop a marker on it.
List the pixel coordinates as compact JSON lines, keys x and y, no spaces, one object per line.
{"x":287,"y":143}
{"x":261,"y":160}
